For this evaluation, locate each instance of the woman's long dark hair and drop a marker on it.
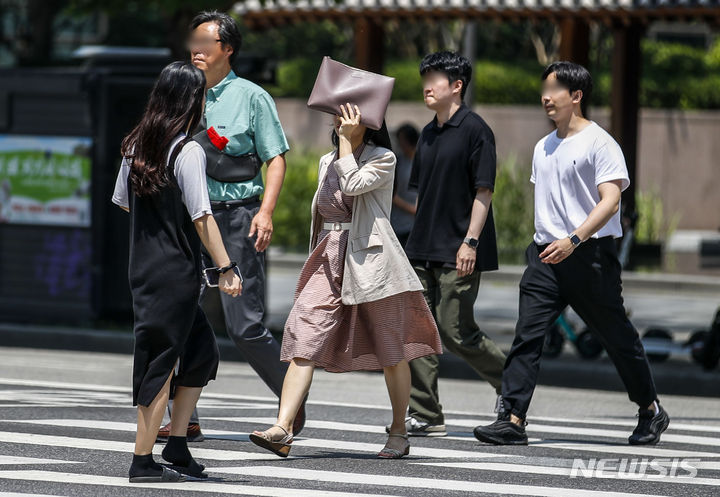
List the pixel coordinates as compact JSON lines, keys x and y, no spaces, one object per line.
{"x":380,"y":137}
{"x":175,"y":105}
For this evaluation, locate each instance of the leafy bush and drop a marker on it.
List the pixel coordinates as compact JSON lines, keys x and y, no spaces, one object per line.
{"x":652,"y":225}
{"x":291,"y":219}
{"x":513,"y":208}
{"x":507,"y":83}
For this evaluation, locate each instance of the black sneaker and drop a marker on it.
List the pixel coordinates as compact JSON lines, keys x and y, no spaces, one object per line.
{"x":502,"y":432}
{"x":650,"y":426}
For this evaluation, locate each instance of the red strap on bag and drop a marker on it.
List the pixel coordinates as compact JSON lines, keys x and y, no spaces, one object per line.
{"x":219,"y":141}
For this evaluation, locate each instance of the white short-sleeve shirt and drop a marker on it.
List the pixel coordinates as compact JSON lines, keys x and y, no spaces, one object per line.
{"x":190,"y":174}
{"x":566,"y":173}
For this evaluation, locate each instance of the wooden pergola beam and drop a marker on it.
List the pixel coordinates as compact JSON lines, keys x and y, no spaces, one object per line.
{"x":261,"y":19}
{"x":625,"y":99}
{"x":575,"y":40}
{"x":369,"y":44}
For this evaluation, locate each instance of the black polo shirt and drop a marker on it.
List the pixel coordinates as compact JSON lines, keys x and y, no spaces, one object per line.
{"x":450,"y":164}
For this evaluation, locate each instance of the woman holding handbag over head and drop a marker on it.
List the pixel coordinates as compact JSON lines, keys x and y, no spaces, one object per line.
{"x":162,"y":185}
{"x":358,"y":304}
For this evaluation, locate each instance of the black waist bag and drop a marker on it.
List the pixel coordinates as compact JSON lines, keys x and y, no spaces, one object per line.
{"x":224,"y":167}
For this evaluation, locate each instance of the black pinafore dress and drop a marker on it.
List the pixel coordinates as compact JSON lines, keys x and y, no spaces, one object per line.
{"x":164,"y":273}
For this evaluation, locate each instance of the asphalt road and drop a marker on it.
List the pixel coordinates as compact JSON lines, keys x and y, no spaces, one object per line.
{"x":67,"y":427}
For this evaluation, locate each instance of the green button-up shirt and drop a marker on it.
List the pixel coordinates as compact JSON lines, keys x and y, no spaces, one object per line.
{"x":246,"y":114}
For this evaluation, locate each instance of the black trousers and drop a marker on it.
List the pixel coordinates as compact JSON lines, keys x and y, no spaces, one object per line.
{"x":588,"y":281}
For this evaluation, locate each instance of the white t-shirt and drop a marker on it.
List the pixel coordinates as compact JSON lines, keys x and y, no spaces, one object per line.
{"x":566,"y":173}
{"x":190,"y":174}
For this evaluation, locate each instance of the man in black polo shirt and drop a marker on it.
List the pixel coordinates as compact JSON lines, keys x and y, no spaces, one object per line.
{"x":453,"y":239}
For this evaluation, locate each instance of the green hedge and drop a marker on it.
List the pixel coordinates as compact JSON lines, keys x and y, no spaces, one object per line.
{"x":674,"y":76}
{"x":291,"y":220}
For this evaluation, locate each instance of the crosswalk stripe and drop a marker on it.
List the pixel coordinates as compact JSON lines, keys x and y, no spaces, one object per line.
{"x":113,"y":446}
{"x":705,"y":428}
{"x":566,"y":472}
{"x":565,"y":445}
{"x":218,"y":454}
{"x":107,"y":425}
{"x":596,"y":432}
{"x":580,"y":445}
{"x":630,"y":450}
{"x":271,"y":402}
{"x":588,"y":421}
{"x":18,"y":460}
{"x":415,"y":482}
{"x":188,"y":486}
{"x":15,"y":494}
{"x":310,"y":423}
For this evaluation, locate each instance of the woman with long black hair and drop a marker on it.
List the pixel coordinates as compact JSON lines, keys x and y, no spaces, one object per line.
{"x":358,"y":304}
{"x":162,"y":185}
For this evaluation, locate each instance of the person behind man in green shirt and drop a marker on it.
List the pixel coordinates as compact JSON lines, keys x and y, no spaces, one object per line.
{"x":245,"y":114}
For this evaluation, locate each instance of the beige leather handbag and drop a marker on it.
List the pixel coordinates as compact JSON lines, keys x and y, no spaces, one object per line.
{"x":338,"y":84}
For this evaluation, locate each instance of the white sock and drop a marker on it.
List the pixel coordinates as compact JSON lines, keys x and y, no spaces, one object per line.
{"x":656,"y":406}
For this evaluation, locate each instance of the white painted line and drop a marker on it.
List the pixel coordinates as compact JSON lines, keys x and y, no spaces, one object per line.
{"x":413,"y":482}
{"x":588,"y":421}
{"x":597,"y":432}
{"x":310,"y":423}
{"x":271,"y":402}
{"x":17,"y":460}
{"x":598,"y":447}
{"x":651,"y":476}
{"x":631,"y":424}
{"x":13,"y":494}
{"x":630,"y":450}
{"x":302,"y":442}
{"x":188,"y":486}
{"x":128,"y":447}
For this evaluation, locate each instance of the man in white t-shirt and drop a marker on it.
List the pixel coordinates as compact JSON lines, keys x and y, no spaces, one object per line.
{"x":579,"y":174}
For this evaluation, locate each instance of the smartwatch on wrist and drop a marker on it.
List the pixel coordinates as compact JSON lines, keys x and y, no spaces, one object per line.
{"x":223,"y":270}
{"x":574,"y":239}
{"x":472,"y":242}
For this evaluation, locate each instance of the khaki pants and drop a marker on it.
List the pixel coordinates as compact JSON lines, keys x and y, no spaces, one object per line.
{"x":451,"y":300}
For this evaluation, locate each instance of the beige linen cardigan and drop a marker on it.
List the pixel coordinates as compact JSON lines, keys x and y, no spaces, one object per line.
{"x":376,"y":266}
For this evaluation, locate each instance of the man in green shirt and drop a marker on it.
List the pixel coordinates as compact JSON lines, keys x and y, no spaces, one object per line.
{"x":245,"y":114}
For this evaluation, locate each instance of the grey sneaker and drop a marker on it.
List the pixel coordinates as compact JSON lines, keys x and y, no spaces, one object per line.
{"x":499,"y":405}
{"x":417,"y":428}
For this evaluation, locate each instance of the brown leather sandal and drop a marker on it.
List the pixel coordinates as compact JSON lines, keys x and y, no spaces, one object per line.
{"x":278,"y":446}
{"x":390,"y":453}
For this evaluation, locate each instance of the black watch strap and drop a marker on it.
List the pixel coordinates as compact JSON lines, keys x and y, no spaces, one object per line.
{"x":223,"y":270}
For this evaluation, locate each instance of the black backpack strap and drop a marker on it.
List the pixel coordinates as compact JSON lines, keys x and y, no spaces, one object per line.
{"x":174,"y":155}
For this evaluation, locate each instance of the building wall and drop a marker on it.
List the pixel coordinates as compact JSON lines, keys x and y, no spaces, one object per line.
{"x":678,"y":154}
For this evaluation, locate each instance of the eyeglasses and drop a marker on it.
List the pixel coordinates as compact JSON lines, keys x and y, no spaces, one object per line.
{"x":201,"y":43}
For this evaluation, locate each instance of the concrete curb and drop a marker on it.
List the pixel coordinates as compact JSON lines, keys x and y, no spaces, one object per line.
{"x":672,"y":377}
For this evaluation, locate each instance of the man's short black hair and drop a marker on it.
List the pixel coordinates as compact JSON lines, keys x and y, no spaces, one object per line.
{"x":452,"y":64}
{"x":228,"y":30}
{"x":573,"y":77}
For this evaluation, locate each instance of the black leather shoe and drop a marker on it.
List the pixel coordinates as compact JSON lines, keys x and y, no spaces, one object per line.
{"x":650,"y":426}
{"x":502,"y":432}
